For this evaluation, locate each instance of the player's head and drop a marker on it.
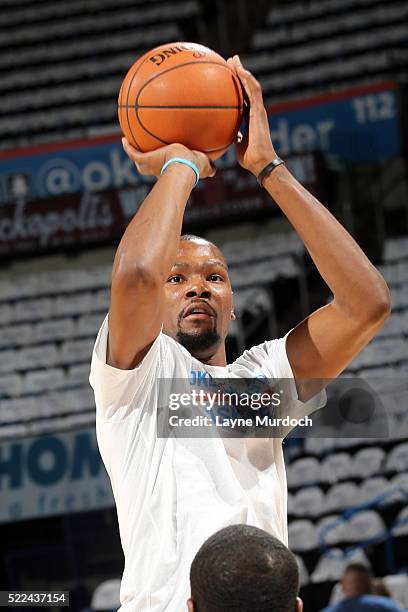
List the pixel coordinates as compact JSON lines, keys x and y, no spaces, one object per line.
{"x":244,"y":569}
{"x":198,"y":298}
{"x":356,"y":580}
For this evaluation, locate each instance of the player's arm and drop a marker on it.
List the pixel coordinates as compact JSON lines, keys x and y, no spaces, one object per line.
{"x":322,"y":345}
{"x":147,"y":251}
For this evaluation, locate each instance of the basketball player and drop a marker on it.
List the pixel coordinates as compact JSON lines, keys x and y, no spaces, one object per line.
{"x":171,"y":304}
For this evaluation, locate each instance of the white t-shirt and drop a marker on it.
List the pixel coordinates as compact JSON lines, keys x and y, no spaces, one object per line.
{"x":172,"y":493}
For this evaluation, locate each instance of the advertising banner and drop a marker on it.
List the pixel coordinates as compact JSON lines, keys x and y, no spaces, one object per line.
{"x":83,"y":219}
{"x":52,"y":474}
{"x":355,"y":125}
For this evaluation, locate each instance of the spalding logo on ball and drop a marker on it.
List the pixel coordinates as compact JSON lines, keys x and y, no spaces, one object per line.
{"x":181,"y":92}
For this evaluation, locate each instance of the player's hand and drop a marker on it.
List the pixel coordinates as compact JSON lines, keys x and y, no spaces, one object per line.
{"x":255,"y":150}
{"x":150,"y":164}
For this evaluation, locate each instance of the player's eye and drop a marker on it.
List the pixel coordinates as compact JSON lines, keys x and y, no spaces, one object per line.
{"x":176,"y":278}
{"x":215,"y":277}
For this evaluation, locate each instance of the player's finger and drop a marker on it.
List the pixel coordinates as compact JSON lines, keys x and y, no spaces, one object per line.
{"x":243,"y":76}
{"x":213,"y":170}
{"x":130,"y":151}
{"x":251,"y":85}
{"x":230,"y":63}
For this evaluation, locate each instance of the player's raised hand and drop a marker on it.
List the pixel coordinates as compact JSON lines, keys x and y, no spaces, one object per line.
{"x":151,"y":163}
{"x":255,"y":150}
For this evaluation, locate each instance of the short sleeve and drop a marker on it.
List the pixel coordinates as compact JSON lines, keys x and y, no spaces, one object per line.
{"x":270,"y":360}
{"x":120,"y":391}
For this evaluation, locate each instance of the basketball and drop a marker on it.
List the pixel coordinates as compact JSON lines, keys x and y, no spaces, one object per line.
{"x":181,"y":92}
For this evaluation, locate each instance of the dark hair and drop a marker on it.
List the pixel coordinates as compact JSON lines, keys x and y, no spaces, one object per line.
{"x":244,"y":569}
{"x":360,"y":568}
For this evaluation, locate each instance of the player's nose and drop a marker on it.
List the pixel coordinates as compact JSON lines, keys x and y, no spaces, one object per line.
{"x":198,"y":289}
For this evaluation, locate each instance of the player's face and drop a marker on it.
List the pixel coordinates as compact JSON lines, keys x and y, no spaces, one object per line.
{"x":198,"y":298}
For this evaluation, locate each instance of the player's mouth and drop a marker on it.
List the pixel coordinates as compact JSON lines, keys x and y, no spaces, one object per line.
{"x":199,"y":310}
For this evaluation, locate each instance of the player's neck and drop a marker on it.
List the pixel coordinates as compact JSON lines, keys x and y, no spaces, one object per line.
{"x":213,"y":359}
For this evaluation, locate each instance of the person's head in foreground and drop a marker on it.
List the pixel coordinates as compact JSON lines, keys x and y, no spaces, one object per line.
{"x":198,"y":298}
{"x":356,"y":580}
{"x":244,"y":569}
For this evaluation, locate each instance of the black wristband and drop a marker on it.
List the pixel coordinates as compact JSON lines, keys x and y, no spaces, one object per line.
{"x":268,"y":169}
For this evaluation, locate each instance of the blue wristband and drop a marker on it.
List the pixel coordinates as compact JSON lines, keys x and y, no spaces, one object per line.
{"x":186,"y":162}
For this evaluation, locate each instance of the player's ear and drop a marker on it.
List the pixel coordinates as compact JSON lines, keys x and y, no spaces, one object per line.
{"x":232,"y":316}
{"x":190,"y":605}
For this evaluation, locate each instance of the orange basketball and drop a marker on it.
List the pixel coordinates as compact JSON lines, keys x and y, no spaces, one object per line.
{"x":181,"y":92}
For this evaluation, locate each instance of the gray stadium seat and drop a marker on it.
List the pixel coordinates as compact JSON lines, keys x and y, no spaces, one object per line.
{"x":44,"y":380}
{"x":309,"y":501}
{"x":398,"y":458}
{"x":368,"y":461}
{"x":76,"y":351}
{"x":364,"y":526}
{"x":331,"y":565}
{"x":304,"y":471}
{"x":336,"y":467}
{"x":11,"y":385}
{"x":343,"y":495}
{"x":302,"y":535}
{"x":329,"y":531}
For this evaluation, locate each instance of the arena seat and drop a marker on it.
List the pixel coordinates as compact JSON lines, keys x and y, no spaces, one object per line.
{"x":304,"y":471}
{"x":397,"y":459}
{"x":364,"y":525}
{"x":9,"y":360}
{"x":399,"y":296}
{"x":53,"y":329}
{"x":73,"y":304}
{"x":36,"y":381}
{"x":303,"y":573}
{"x":76,"y":351}
{"x":371,"y":488}
{"x":398,"y":587}
{"x":368,"y":461}
{"x":31,"y":310}
{"x":341,"y":496}
{"x":331,"y":564}
{"x":395,"y":249}
{"x":21,"y":409}
{"x":331,"y":530}
{"x":336,"y":467}
{"x":331,"y":25}
{"x":302,"y":535}
{"x":38,"y":356}
{"x":16,"y":430}
{"x":309,"y":501}
{"x":16,"y":335}
{"x":88,"y":325}
{"x":77,"y":374}
{"x":321,"y":445}
{"x":11,"y":385}
{"x":400,"y":527}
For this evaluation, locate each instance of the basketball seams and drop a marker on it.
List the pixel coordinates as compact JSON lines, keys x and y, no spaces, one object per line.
{"x":156,"y":76}
{"x":142,"y":61}
{"x":137,"y":106}
{"x":181,"y":107}
{"x":165,"y":142}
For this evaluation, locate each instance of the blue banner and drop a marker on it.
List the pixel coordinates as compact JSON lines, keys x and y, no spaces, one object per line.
{"x":360,"y":125}
{"x":52,"y":474}
{"x":356,"y":125}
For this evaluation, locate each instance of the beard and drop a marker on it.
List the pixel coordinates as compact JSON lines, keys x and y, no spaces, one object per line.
{"x":197,"y":343}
